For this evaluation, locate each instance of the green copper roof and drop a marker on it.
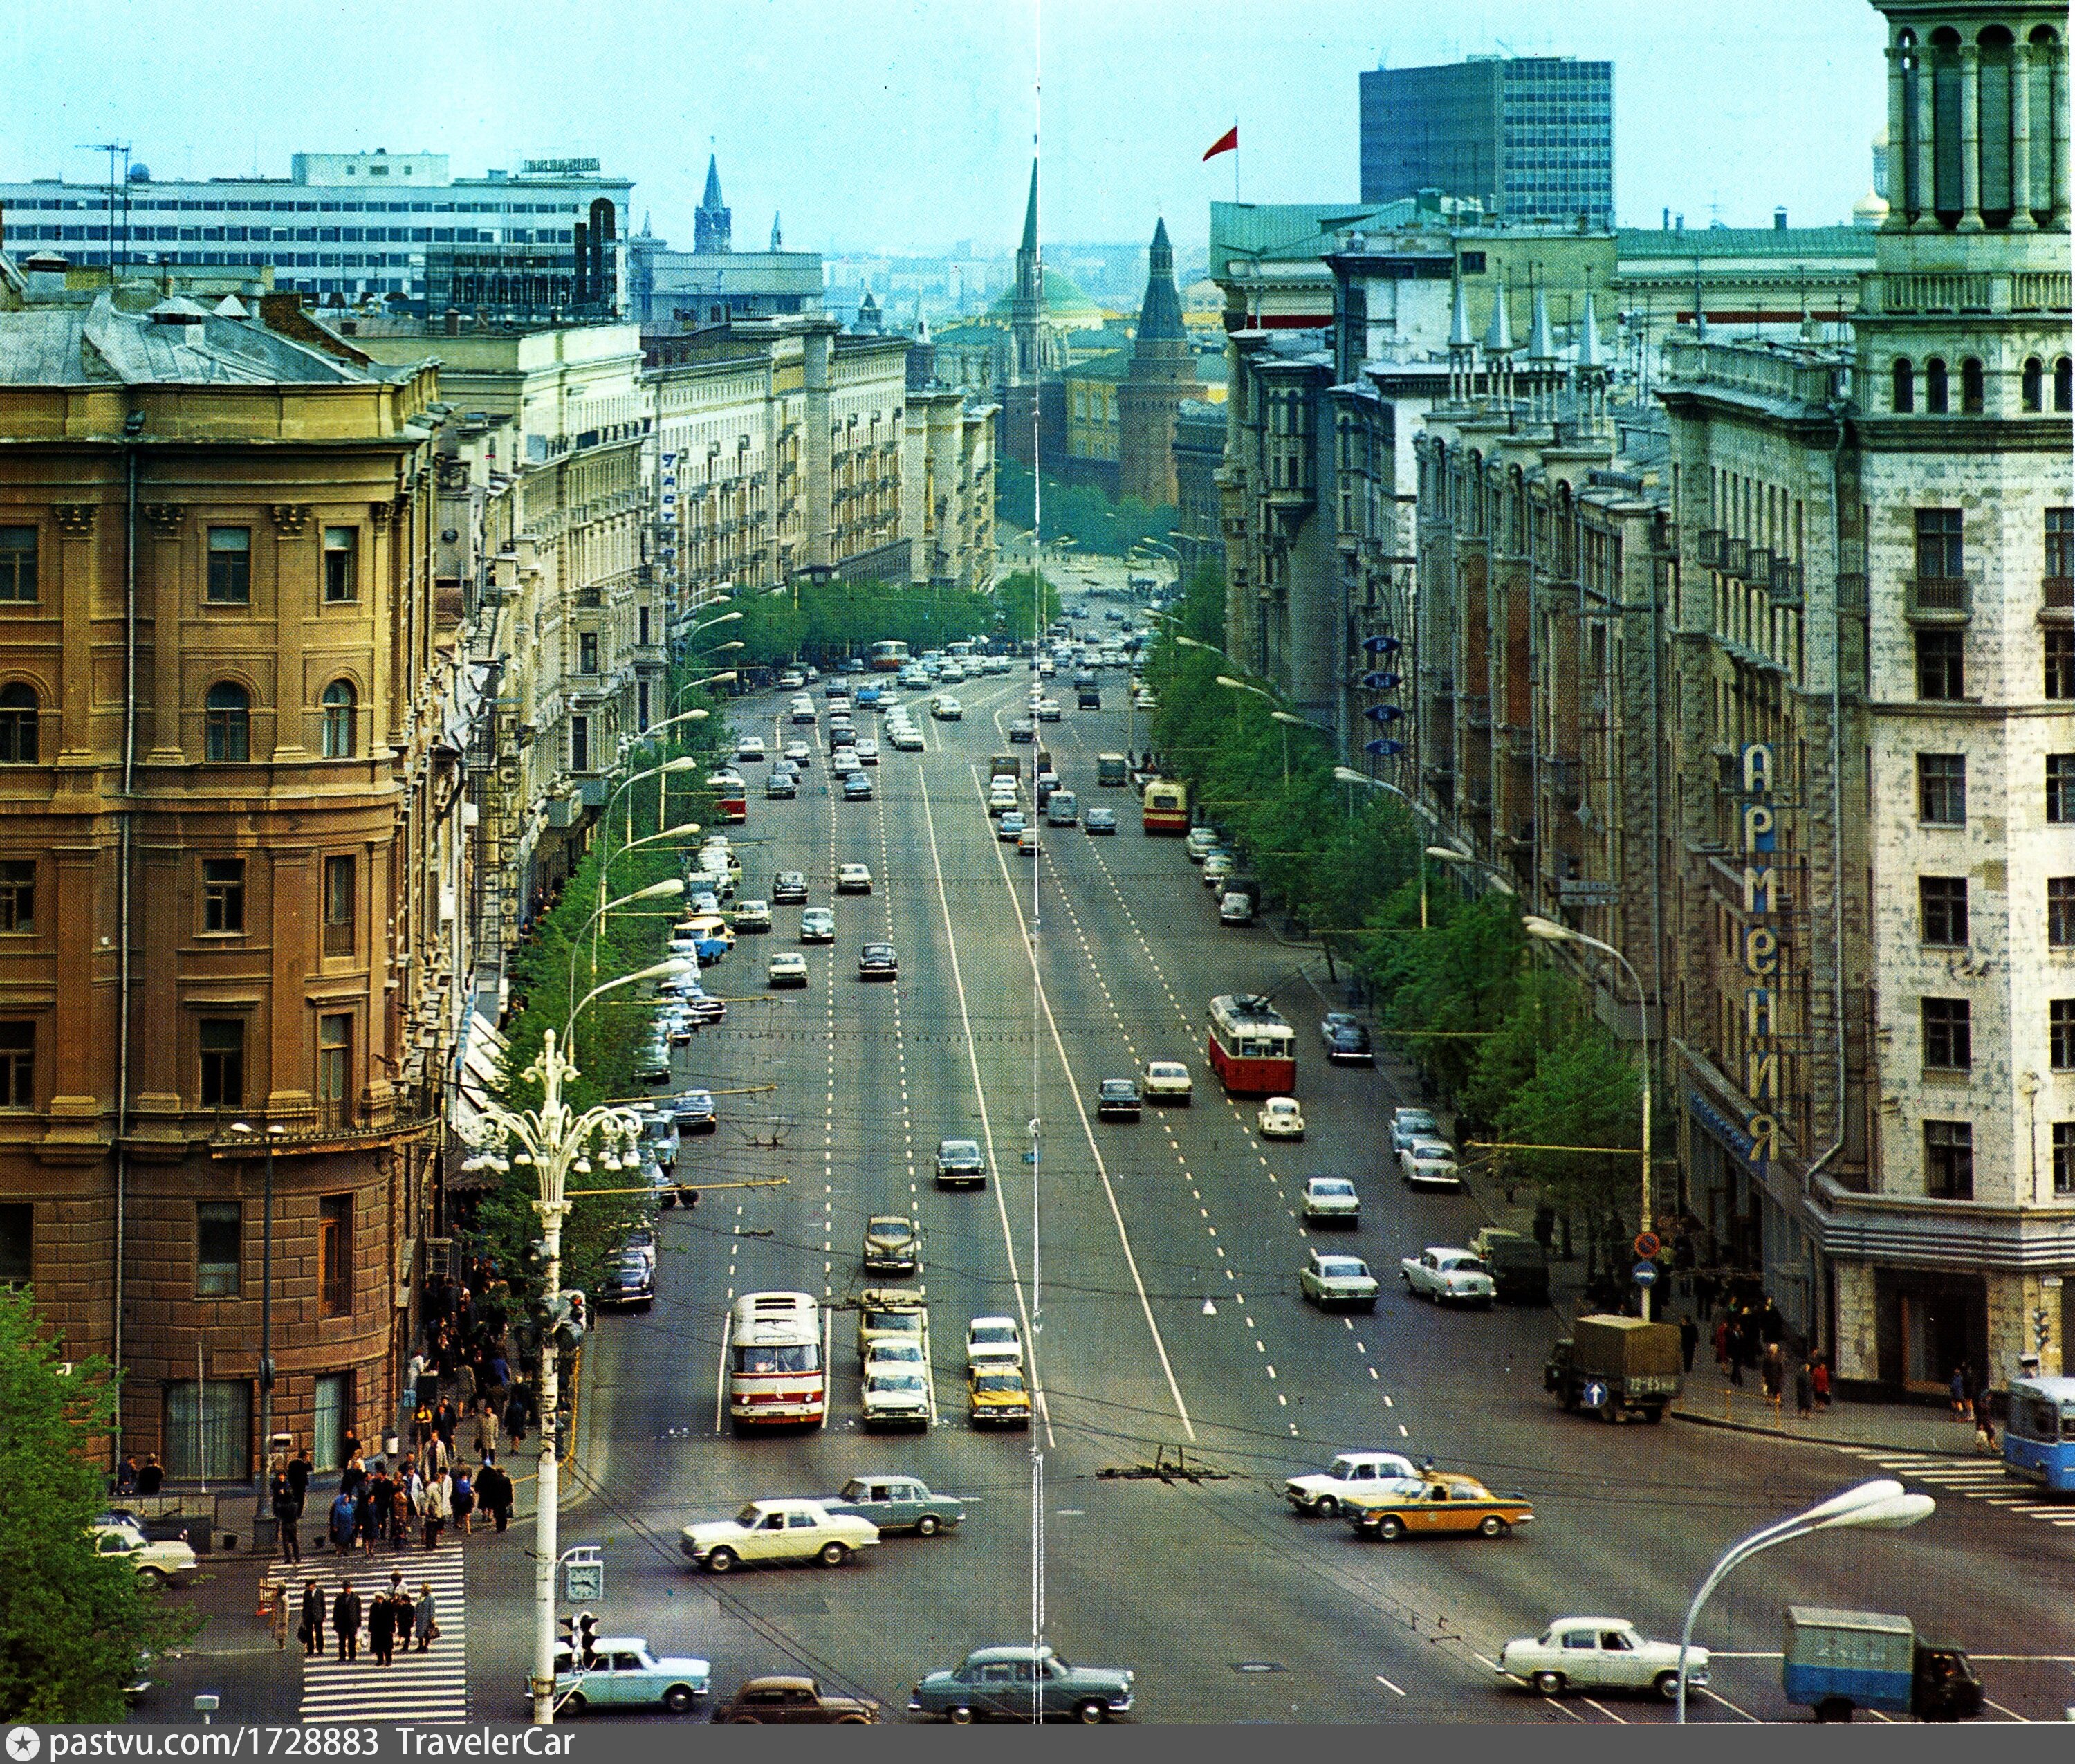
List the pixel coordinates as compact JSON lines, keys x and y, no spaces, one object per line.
{"x":1791,"y":243}
{"x":1064,"y":300}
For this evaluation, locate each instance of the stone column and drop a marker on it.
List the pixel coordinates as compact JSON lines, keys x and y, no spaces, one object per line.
{"x":2020,"y":109}
{"x":1901,"y":174}
{"x":1970,"y":138}
{"x":79,"y":577}
{"x":1923,"y":171}
{"x":2057,"y":162}
{"x":167,"y":604}
{"x":293,"y":594}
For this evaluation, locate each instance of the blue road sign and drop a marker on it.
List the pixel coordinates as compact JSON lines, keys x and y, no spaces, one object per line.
{"x":1645,"y":1273}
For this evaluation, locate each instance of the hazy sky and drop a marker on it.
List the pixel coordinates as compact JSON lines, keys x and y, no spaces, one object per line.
{"x":891,"y":124}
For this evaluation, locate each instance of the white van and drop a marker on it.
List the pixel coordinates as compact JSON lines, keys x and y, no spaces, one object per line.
{"x":1061,"y":810}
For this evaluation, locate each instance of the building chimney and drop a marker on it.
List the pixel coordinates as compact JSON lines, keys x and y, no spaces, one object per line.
{"x":453,"y":321}
{"x":1667,"y":219}
{"x":1780,"y":220}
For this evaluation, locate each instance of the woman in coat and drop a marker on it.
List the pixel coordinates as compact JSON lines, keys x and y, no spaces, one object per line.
{"x":438,"y":1509}
{"x":382,"y":1628}
{"x":464,"y":1499}
{"x":428,"y":1618}
{"x":343,"y":1523}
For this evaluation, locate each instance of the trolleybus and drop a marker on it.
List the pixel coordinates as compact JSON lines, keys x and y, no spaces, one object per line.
{"x":732,"y":794}
{"x":2039,"y":1439}
{"x":888,"y":656}
{"x":1164,"y":809}
{"x":777,"y":1361}
{"x":1251,"y":1048}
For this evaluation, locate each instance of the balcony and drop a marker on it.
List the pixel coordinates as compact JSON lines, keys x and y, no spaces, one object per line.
{"x":2056,"y":601}
{"x":1476,"y":710}
{"x":1938,"y":600}
{"x":1786,"y":588}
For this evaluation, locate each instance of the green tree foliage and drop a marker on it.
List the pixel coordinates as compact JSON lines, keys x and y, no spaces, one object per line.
{"x":822,"y":621}
{"x":1444,"y":990}
{"x":1078,"y":511}
{"x":72,"y":1622}
{"x":1029,"y":603}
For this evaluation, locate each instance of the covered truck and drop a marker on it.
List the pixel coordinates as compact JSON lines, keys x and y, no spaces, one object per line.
{"x":1615,"y":1366}
{"x":1839,"y":1661}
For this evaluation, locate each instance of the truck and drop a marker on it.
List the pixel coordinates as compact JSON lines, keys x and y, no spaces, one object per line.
{"x":1836,"y":1662}
{"x":1519,"y":1264}
{"x":1112,"y":771}
{"x":1615,"y":1366}
{"x":1005,"y":765}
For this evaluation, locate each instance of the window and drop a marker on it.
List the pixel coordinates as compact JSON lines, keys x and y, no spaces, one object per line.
{"x":1941,"y":671}
{"x":334,"y":1063}
{"x":2059,"y":656}
{"x":2060,"y":787}
{"x":332,"y":1420}
{"x":219,"y":1248}
{"x":341,"y":575}
{"x":1948,"y":1038}
{"x":580,"y":743}
{"x":17,"y":1243}
{"x":1904,"y":398}
{"x":2064,"y":388}
{"x":1934,"y":386}
{"x":1944,"y":901}
{"x":227,"y":725}
{"x":339,"y":703}
{"x":2060,"y":544}
{"x":230,"y":566}
{"x":1971,"y":387}
{"x":18,"y":726}
{"x":1941,"y":789}
{"x":18,"y":563}
{"x":1939,"y":555}
{"x":2064,"y":1159}
{"x":18,"y":1065}
{"x":335,"y":1255}
{"x":587,"y":651}
{"x":2060,"y":1034}
{"x":18,"y":896}
{"x":208,"y":1433}
{"x":641,"y":621}
{"x":2060,"y":911}
{"x":223,"y":895}
{"x":2034,"y":383}
{"x":223,"y":1063}
{"x":1949,"y":1160}
{"x":339,"y":893}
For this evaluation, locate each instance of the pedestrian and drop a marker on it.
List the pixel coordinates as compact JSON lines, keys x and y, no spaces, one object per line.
{"x":486,"y":1429}
{"x":445,"y":1418}
{"x":1772,"y":1369}
{"x":1771,"y":1325}
{"x":152,"y":1477}
{"x":1820,"y":1379}
{"x":399,"y":1601}
{"x":344,"y":1521}
{"x":421,"y":1426}
{"x":288,"y":1512}
{"x":355,"y":1472}
{"x":312,"y":1632}
{"x":1804,"y":1390}
{"x":1984,"y":1419}
{"x":1722,"y":1345}
{"x":125,"y":1477}
{"x":1963,"y":1402}
{"x":298,"y":1478}
{"x":277,"y":1613}
{"x":382,"y":1628}
{"x":428,"y":1624}
{"x":1689,"y":1338}
{"x":399,"y":1512}
{"x":515,"y":1418}
{"x":464,"y":1499}
{"x":346,"y":1621}
{"x":493,"y":1491}
{"x":437,"y":1508}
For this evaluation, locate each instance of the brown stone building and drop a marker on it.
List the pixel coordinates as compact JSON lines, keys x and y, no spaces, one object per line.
{"x":1163,"y":373}
{"x":226,"y":865}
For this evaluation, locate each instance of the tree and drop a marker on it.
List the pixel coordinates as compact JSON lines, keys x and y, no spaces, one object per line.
{"x":1029,"y":601}
{"x":72,"y":1622}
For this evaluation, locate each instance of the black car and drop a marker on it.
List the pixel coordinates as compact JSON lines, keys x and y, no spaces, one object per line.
{"x":1023,"y":729}
{"x":1086,"y":699}
{"x":960,"y":1164}
{"x":1100,"y":821}
{"x":1117,"y":1100}
{"x":693,"y":1111}
{"x":789,"y":887}
{"x":630,"y":1281}
{"x":878,"y":961}
{"x":1347,"y":1041}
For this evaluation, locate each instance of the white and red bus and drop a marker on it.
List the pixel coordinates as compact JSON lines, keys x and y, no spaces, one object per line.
{"x":1251,"y":1048}
{"x":1164,"y":809}
{"x":777,"y":1361}
{"x":732,"y":793}
{"x":888,"y":656}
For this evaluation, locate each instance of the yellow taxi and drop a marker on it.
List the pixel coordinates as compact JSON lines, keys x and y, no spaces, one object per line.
{"x":996,"y":1396}
{"x":1436,"y":1502}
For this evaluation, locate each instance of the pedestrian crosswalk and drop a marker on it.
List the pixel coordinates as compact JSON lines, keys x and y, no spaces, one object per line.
{"x":1982,"y":1479}
{"x":427,"y":1687}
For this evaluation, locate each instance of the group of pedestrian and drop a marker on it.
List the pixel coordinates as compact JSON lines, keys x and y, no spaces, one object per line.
{"x":1971,"y":1402}
{"x":377,"y":1504}
{"x":393,"y":1619}
{"x":1750,"y":1333}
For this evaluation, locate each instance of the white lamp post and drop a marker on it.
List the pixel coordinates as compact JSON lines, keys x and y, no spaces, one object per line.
{"x":1348,"y":775}
{"x":1882,"y":1505}
{"x":686,"y":762}
{"x":656,"y":891}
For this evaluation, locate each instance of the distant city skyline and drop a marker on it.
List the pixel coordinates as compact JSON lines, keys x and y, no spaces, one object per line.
{"x":923,"y":113}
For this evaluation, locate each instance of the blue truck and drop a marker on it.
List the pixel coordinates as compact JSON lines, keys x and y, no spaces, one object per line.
{"x":1837,"y":1662}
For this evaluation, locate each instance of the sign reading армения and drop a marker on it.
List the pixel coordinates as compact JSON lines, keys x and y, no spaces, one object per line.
{"x":1756,"y":826}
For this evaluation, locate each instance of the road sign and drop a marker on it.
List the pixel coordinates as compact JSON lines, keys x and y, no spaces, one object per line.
{"x":583,"y":1574}
{"x":1647,"y":1246}
{"x":1595,"y":1393}
{"x":1645,"y":1274}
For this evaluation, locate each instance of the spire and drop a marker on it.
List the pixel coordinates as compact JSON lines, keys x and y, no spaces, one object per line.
{"x":777,"y":237}
{"x":1459,"y":330}
{"x":712,"y":198}
{"x":1541,"y":344}
{"x":1588,"y":337}
{"x":1498,"y":335}
{"x":1160,"y":314}
{"x":712,"y":222}
{"x":1030,"y":214}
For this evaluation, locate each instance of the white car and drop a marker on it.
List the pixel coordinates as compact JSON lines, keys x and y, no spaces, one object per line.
{"x":1217,"y":865}
{"x":749,"y":747}
{"x":787,"y":969}
{"x":1407,"y":1125}
{"x":752,"y":915}
{"x":1333,"y":1199}
{"x":1047,"y":710}
{"x":906,"y":739}
{"x":1344,"y":1481}
{"x":1598,"y":1653}
{"x":1001,"y":797}
{"x":1146,"y":699}
{"x":868,"y":752}
{"x":894,"y":1396}
{"x":1166,"y":1081}
{"x":946,"y":709}
{"x":1452,"y":1275}
{"x":1430,"y":1163}
{"x":791,"y":678}
{"x":164,"y":1561}
{"x":903,"y":1353}
{"x":853,"y":878}
{"x":1280,"y":1118}
{"x":777,"y":1531}
{"x":993,"y":1341}
{"x":1200,"y":842}
{"x":1329,"y":1279}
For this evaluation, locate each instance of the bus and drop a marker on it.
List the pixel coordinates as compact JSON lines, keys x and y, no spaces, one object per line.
{"x":2039,"y":1438}
{"x":1251,"y":1048}
{"x":888,"y":656}
{"x":732,"y":793}
{"x":960,"y":649}
{"x":1164,"y":809}
{"x":777,"y":1356}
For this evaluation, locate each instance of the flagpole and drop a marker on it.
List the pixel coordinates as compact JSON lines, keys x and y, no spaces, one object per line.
{"x":1235,"y":161}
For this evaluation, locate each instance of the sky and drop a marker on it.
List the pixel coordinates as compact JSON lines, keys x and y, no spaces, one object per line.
{"x":889,"y":126}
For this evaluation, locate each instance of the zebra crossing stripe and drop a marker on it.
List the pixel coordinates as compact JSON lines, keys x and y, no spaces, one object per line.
{"x":427,"y":1687}
{"x":1989,"y":1483}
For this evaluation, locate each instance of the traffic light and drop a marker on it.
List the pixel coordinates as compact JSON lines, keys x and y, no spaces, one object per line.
{"x":565,"y":1321}
{"x":536,"y":1257}
{"x":587,"y":1639}
{"x":566,"y":1641}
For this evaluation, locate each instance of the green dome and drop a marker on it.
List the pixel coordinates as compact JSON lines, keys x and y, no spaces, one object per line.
{"x":1065,"y":304}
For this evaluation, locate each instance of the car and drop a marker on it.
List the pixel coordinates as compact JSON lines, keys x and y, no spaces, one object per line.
{"x":868,"y":752}
{"x":1001,"y":797}
{"x":993,"y":1341}
{"x":1218,"y":864}
{"x":1279,"y":1118}
{"x":817,"y":924}
{"x":791,"y":679}
{"x":905,"y":739}
{"x":749,"y":748}
{"x":1437,"y":1503}
{"x":1048,"y":711}
{"x":622,"y":1674}
{"x":1146,"y":698}
{"x":704,"y":903}
{"x":800,"y":754}
{"x":652,"y":1066}
{"x":789,"y":887}
{"x":1116,"y":1100}
{"x":951,"y":674}
{"x":1347,"y":1041}
{"x":946,"y":709}
{"x":857,"y":788}
{"x":796,"y":1702}
{"x":1447,"y":1276}
{"x":787,"y":968}
{"x":1331,"y":1200}
{"x":802,"y":713}
{"x":782,"y":786}
{"x":812,"y":674}
{"x":961,"y":1164}
{"x":785,"y":1531}
{"x":162,"y":1561}
{"x":1166,"y":1081}
{"x":900,"y":1503}
{"x":1011,"y":827}
{"x":1023,"y":729}
{"x":1100,"y":821}
{"x":1342,"y":1482}
{"x":1199,"y":844}
{"x":892,"y":1245}
{"x":1407,"y":1125}
{"x":886,"y":1315}
{"x":752,"y":916}
{"x":997,"y":1397}
{"x":890,"y":1395}
{"x":659,"y":1137}
{"x":1429,"y":1163}
{"x":629,"y":1283}
{"x":1012,"y":1683}
{"x":870,"y":694}
{"x":1598,"y":1653}
{"x":891,"y":1353}
{"x":637,"y":1241}
{"x":1328,"y":1278}
{"x":677,"y":1025}
{"x":853,"y":878}
{"x":835,"y":688}
{"x":694,"y":1111}
{"x":1026,"y":842}
{"x":878,"y":961}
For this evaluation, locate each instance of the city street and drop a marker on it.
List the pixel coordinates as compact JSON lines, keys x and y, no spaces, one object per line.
{"x":1153,"y":1267}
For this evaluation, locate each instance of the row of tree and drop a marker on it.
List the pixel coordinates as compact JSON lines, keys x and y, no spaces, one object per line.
{"x":821,"y":621}
{"x":1078,"y":512}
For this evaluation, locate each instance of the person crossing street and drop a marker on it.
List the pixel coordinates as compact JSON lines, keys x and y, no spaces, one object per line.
{"x":345,"y":1621}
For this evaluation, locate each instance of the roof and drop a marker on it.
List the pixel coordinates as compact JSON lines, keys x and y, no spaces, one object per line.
{"x":1113,"y":364}
{"x":1160,"y":314}
{"x":1064,"y":298}
{"x":103,"y":344}
{"x":1791,"y":243}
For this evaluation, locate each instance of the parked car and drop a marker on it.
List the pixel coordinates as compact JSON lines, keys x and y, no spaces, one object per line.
{"x":1166,"y":1081}
{"x":162,"y":1561}
{"x":1331,"y":1200}
{"x":629,"y":1284}
{"x":817,"y":924}
{"x":789,"y":887}
{"x":1279,"y":1118}
{"x":961,"y":1164}
{"x":694,"y":1111}
{"x":784,"y":1530}
{"x":900,"y":1503}
{"x":892,"y":1245}
{"x":1004,"y":1683}
{"x":1218,"y":864}
{"x":878,"y":961}
{"x":1429,"y":1163}
{"x":1347,"y":1041}
{"x":1199,"y":844}
{"x":1407,"y":1125}
{"x":624,"y":1675}
{"x":1598,"y":1653}
{"x":1447,"y":1276}
{"x":1117,"y":1100}
{"x":1344,"y":1482}
{"x":1328,"y":1278}
{"x":796,"y":1702}
{"x":786,"y":969}
{"x":1438,"y":1503}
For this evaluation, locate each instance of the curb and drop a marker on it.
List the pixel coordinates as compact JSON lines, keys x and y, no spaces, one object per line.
{"x":1810,"y":1439}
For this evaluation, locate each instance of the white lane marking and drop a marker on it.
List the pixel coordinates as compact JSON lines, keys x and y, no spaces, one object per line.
{"x":1387,"y":1685}
{"x":1621,"y":1721}
{"x":1716,"y":1696}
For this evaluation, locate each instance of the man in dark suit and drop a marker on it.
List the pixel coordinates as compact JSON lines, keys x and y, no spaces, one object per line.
{"x":345,"y":1621}
{"x":313,"y":1621}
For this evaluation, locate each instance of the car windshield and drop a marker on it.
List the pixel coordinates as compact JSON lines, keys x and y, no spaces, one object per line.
{"x":1161,"y":1069}
{"x":800,"y":1357}
{"x":893,"y":1319}
{"x":894,"y":1380}
{"x":999,"y":1381}
{"x":896,"y":1231}
{"x":879,"y":949}
{"x":959,"y":1148}
{"x":1343,"y":1268}
{"x":1328,"y":1187}
{"x":750,"y":1518}
{"x":1117,"y":1087}
{"x":985,"y":1333}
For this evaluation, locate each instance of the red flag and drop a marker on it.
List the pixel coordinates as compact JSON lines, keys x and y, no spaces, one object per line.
{"x":1227,"y":142}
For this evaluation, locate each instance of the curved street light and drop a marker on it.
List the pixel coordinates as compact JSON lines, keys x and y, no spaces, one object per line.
{"x":1882,"y":1505}
{"x":683,"y":763}
{"x":1447,"y":853}
{"x":656,"y":891}
{"x":1348,"y":775}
